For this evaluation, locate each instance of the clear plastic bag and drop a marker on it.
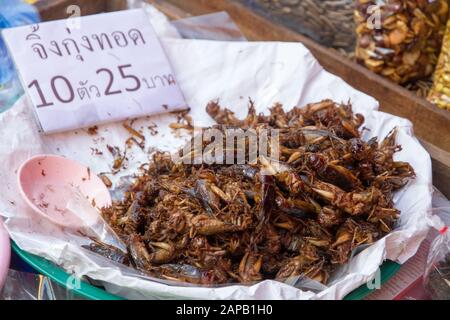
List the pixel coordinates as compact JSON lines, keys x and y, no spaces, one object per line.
{"x":218,"y":26}
{"x":12,"y":13}
{"x":400,"y":39}
{"x":30,"y":286}
{"x":437,"y":271}
{"x":213,"y":26}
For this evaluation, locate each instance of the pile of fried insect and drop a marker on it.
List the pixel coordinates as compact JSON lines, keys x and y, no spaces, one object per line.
{"x":299,"y":216}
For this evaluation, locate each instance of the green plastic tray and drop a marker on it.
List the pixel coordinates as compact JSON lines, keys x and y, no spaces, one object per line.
{"x":61,"y":277}
{"x":86,"y":290}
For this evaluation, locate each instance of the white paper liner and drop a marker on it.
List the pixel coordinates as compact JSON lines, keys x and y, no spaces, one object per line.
{"x":268,"y":72}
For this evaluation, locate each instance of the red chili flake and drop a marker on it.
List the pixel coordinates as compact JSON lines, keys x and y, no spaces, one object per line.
{"x":95,"y":151}
{"x":153,"y":129}
{"x":134,"y":132}
{"x":44,"y":205}
{"x":92,"y":130}
{"x":106,"y":181}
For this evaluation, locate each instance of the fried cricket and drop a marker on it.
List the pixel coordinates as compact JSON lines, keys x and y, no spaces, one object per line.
{"x":328,"y":193}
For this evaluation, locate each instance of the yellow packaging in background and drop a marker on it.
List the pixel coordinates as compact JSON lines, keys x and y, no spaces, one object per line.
{"x":440,"y":91}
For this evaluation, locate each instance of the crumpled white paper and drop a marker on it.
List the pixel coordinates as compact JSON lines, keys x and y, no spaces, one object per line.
{"x":268,"y":72}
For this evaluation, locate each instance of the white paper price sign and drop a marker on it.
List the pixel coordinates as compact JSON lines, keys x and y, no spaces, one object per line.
{"x":111,"y":67}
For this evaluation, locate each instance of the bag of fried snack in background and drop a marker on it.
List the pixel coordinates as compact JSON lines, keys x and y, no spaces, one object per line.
{"x":440,"y":91}
{"x":400,"y":39}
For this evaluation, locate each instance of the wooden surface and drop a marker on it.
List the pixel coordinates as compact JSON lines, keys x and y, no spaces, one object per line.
{"x":431,"y":124}
{"x":114,"y":5}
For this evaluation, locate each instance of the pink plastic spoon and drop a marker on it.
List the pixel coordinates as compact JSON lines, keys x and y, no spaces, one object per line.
{"x":67,"y":194}
{"x":48,"y":183}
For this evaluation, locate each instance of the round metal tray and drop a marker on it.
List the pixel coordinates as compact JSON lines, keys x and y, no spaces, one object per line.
{"x":86,"y":290}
